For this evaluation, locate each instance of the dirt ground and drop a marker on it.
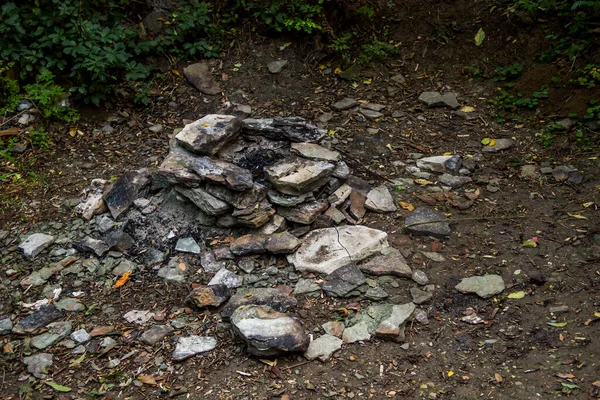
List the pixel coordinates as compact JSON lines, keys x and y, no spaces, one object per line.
{"x":514,"y":354}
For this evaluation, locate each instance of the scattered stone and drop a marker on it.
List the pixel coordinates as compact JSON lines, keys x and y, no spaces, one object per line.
{"x":277,"y":224}
{"x":307,"y":287}
{"x":376,"y":294}
{"x":315,"y":152}
{"x":201,"y":78}
{"x":380,"y":200}
{"x":334,"y":328}
{"x":433,"y":256}
{"x":172,"y":272}
{"x":35,"y":244}
{"x":276,"y":243}
{"x":454,"y":181}
{"x":345,"y":104}
{"x":288,"y":200}
{"x":484,"y":286}
{"x":306,"y":213}
{"x":189,"y":346}
{"x":227,"y":278}
{"x":471,"y":317}
{"x":340,"y":195}
{"x":371,"y":114}
{"x":392,"y":327}
{"x":155,"y":334}
{"x":399,"y":78}
{"x":274,"y":298}
{"x":187,"y":245}
{"x":357,"y":333}
{"x":140,"y":317}
{"x":433,"y":163}
{"x":325,"y":250}
{"x":420,"y":277}
{"x":529,"y":172}
{"x":427,"y":221}
{"x":499,"y":145}
{"x":389,"y":262}
{"x":39,"y":319}
{"x":269,"y":333}
{"x":294,"y":129}
{"x":336,"y":215}
{"x":69,"y":304}
{"x":420,"y":296}
{"x":239,"y":200}
{"x":105,"y":224}
{"x":357,"y":205}
{"x":125,"y":190}
{"x":323,"y":347}
{"x":343,"y":281}
{"x":80,"y":336}
{"x":91,"y":245}
{"x":38,"y":364}
{"x":37,"y":278}
{"x":56,"y":331}
{"x":156,"y":128}
{"x":421,"y":316}
{"x":93,"y":202}
{"x":297,"y":176}
{"x":6,"y":325}
{"x":275,"y":67}
{"x":558,"y":309}
{"x":341,"y":171}
{"x":209,"y":134}
{"x":208,"y":296}
{"x":435,"y":99}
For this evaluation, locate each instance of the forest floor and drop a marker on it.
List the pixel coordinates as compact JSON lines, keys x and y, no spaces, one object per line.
{"x":521,"y":351}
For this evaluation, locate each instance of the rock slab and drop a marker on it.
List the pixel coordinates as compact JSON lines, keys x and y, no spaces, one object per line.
{"x":484,"y":286}
{"x":427,"y":221}
{"x":35,"y":244}
{"x":323,"y":347}
{"x":209,"y":134}
{"x":189,"y":346}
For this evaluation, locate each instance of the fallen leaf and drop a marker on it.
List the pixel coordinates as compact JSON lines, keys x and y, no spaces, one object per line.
{"x":270,"y":363}
{"x":467,"y":109}
{"x":588,"y":204}
{"x":516,"y":295}
{"x":406,"y":206}
{"x":175,"y":72}
{"x":331,"y":132}
{"x":77,"y":361}
{"x":389,"y":146}
{"x":72,"y":132}
{"x":485,"y":141}
{"x":57,"y":387}
{"x":479,"y":37}
{"x":557,"y":324}
{"x":147,"y":379}
{"x":368,"y":81}
{"x":597,"y":314}
{"x":530,"y":243}
{"x":577,"y":216}
{"x":570,"y":385}
{"x":492,"y":142}
{"x":182,"y":266}
{"x":565,"y":375}
{"x":472,"y":195}
{"x":498,"y":378}
{"x":123,"y":279}
{"x":423,"y":182}
{"x":337,"y":71}
{"x":450,"y":373}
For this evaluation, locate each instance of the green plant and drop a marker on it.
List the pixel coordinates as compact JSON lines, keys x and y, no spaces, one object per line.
{"x":365,"y":11}
{"x":39,"y":138}
{"x":590,"y":76}
{"x":50,"y":99}
{"x":342,"y":45}
{"x":509,"y":72}
{"x":470,"y":70}
{"x":376,"y":49}
{"x":510,"y":101}
{"x":6,"y":149}
{"x":286,"y":15}
{"x":9,"y":90}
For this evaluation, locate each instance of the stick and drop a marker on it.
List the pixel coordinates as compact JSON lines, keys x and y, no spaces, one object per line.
{"x":465,"y":219}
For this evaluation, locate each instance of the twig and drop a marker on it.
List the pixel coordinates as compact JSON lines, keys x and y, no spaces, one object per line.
{"x":296,"y":365}
{"x":465,"y":219}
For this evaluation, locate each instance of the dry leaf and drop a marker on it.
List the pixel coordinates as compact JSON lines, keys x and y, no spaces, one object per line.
{"x":450,"y":373}
{"x":577,"y":216}
{"x":147,"y":379}
{"x":498,"y":378}
{"x":467,"y":109}
{"x":472,"y":195}
{"x":565,"y":375}
{"x":406,"y":206}
{"x":123,"y":279}
{"x":423,"y":182}
{"x":175,"y":72}
{"x":182,"y":266}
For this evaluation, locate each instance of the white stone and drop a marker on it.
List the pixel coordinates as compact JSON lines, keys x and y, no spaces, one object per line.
{"x":434,"y":163}
{"x":323,"y":347}
{"x":35,"y":244}
{"x":191,"y":345}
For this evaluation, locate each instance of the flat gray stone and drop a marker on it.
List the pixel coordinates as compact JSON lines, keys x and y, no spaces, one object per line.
{"x":306,"y":287}
{"x":294,"y":129}
{"x":269,"y":333}
{"x":125,"y":190}
{"x":80,"y":336}
{"x":227,"y":278}
{"x":343,"y":281}
{"x":433,"y":163}
{"x":172,"y":272}
{"x":56,"y":332}
{"x":38,"y":364}
{"x":390,"y":262}
{"x":94,"y":246}
{"x":341,"y":171}
{"x":105,"y":224}
{"x":428,"y":221}
{"x":334,"y":328}
{"x":201,"y":78}
{"x":277,"y":224}
{"x":392,"y":327}
{"x":155,"y":334}
{"x":209,"y":134}
{"x":37,"y":278}
{"x":298,"y":176}
{"x":376,"y":294}
{"x":357,"y":333}
{"x":189,"y":346}
{"x":38,"y":319}
{"x":371,"y":114}
{"x":345,"y":104}
{"x":188,"y":245}
{"x":243,"y":199}
{"x":305,"y":213}
{"x":380,"y":200}
{"x":420,"y":277}
{"x":204,"y":200}
{"x":276,"y":243}
{"x":286,"y":200}
{"x":436,"y":99}
{"x":340,"y":195}
{"x":6,"y":326}
{"x":275,"y":67}
{"x":35,"y":244}
{"x":314,"y":152}
{"x":139,"y":317}
{"x":272,"y":297}
{"x":420,"y":296}
{"x":325,"y":250}
{"x":499,"y":145}
{"x":454,"y":181}
{"x":484,"y":286}
{"x":323,"y":347}
{"x":69,"y":304}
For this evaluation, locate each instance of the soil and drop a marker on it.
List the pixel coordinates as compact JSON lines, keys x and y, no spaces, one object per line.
{"x":515,"y":354}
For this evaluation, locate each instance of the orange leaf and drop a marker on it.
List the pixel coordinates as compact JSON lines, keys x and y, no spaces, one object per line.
{"x":498,"y":378}
{"x":147,"y":379}
{"x":175,"y":72}
{"x":123,"y":279}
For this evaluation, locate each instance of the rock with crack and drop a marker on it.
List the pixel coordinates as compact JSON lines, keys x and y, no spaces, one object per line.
{"x":208,"y":296}
{"x":427,"y":221}
{"x":306,"y":213}
{"x":269,"y":333}
{"x":294,"y":129}
{"x":125,"y":190}
{"x":298,"y":176}
{"x":380,"y":200}
{"x":315,"y":152}
{"x":484,"y":286}
{"x":35,"y":244}
{"x":344,"y":281}
{"x":272,"y":297}
{"x":392,"y":327}
{"x":325,"y":250}
{"x":209,"y":134}
{"x":389,"y":262}
{"x":189,"y":346}
{"x":323,"y":347}
{"x":204,"y":200}
{"x":276,"y":243}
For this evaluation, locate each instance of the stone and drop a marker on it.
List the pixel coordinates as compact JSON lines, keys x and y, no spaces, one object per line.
{"x":343,"y":281}
{"x":380,"y":200}
{"x":269,"y":333}
{"x":69,"y":304}
{"x":341,"y":171}
{"x":336,"y":215}
{"x":298,"y":176}
{"x":38,"y":319}
{"x":529,"y":172}
{"x":325,"y":250}
{"x":345,"y":104}
{"x":274,"y":298}
{"x":371,"y":114}
{"x":105,"y":224}
{"x":357,"y":208}
{"x":436,"y":99}
{"x":187,"y":245}
{"x":305,"y":213}
{"x":306,"y":287}
{"x":484,"y":286}
{"x":221,"y":172}
{"x":376,"y":294}
{"x":201,"y":78}
{"x":204,"y":200}
{"x":35,"y":244}
{"x":139,"y":317}
{"x":392,"y":327}
{"x":38,"y":364}
{"x":210,"y":263}
{"x":427,"y":221}
{"x":454,"y":181}
{"x":294,"y":129}
{"x":241,"y":111}
{"x":37,"y":278}
{"x":123,"y":267}
{"x":277,"y":224}
{"x":91,"y":245}
{"x":420,"y":296}
{"x":227,"y":278}
{"x":421,"y":316}
{"x":259,"y":217}
{"x":124,"y":191}
{"x":119,"y":240}
{"x":420,"y":277}
{"x":276,"y":243}
{"x":433,"y":163}
{"x":208,"y":135}
{"x":453,"y":164}
{"x":499,"y":145}
{"x":243,"y":199}
{"x":56,"y":331}
{"x":189,"y":346}
{"x":340,"y":195}
{"x":314,"y":152}
{"x":285,"y":200}
{"x":433,"y":256}
{"x":334,"y":328}
{"x":92,"y":203}
{"x":156,"y":128}
{"x":208,"y":296}
{"x":399,"y":78}
{"x":323,"y":347}
{"x":6,"y":325}
{"x":275,"y":67}
{"x":390,"y":262}
{"x":172,"y":273}
{"x":373,"y":106}
{"x":155,"y":334}
{"x":80,"y":336}
{"x":357,"y":333}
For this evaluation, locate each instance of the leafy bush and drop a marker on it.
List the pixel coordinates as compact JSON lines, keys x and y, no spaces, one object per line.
{"x":286,"y":15}
{"x":9,"y":90}
{"x":50,"y":99}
